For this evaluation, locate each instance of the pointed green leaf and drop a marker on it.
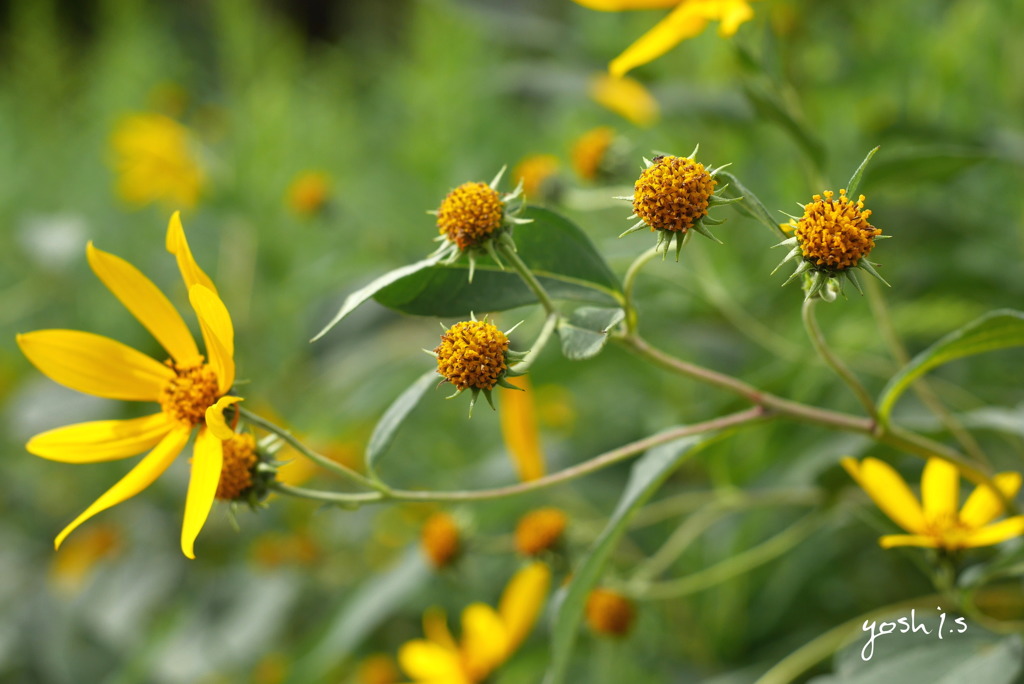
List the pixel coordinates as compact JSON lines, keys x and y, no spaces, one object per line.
{"x":927,"y":164}
{"x":646,"y":476}
{"x":998,"y":329}
{"x":584,"y":333}
{"x":854,"y":184}
{"x":353,"y":301}
{"x":386,"y":428}
{"x":748,"y":204}
{"x":561,"y":255}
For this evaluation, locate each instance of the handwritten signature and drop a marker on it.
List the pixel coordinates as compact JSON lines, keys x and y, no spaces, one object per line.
{"x":904,"y":625}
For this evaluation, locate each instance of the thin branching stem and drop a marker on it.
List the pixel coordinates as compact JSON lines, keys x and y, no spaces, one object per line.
{"x":833,"y":361}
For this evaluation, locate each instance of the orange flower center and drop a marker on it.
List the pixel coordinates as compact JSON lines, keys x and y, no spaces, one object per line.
{"x":236,"y":472}
{"x":834,"y":233}
{"x":609,"y":613}
{"x":187,"y":396}
{"x":539,"y":530}
{"x":673,"y":193}
{"x":469,"y":214}
{"x":948,"y":530}
{"x":472,"y":354}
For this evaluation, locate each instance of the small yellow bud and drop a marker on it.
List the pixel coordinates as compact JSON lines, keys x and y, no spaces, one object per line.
{"x":834,"y":234}
{"x":673,"y":193}
{"x":440,"y":539}
{"x":236,"y":472}
{"x":539,"y":530}
{"x":469,"y":214}
{"x":472,"y":354}
{"x":609,"y":613}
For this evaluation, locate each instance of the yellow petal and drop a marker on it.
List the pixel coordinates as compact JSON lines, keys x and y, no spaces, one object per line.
{"x":137,"y":479}
{"x":522,"y":601}
{"x":485,"y":643}
{"x":426,"y":662}
{"x":215,"y":418}
{"x":940,"y":489}
{"x":890,"y":493}
{"x":147,"y":303}
{"x":95,"y":364}
{"x":619,"y":5}
{"x":626,"y":97}
{"x":100,"y":440}
{"x":435,"y":628}
{"x":218,"y":334}
{"x":892,"y":540}
{"x":685,"y":21}
{"x":178,"y":246}
{"x":982,"y":506}
{"x":207,"y":459}
{"x":519,"y":429}
{"x":732,"y":13}
{"x":994,"y":534}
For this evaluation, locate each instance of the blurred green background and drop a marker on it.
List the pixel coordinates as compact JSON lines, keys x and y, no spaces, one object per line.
{"x":396,"y":103}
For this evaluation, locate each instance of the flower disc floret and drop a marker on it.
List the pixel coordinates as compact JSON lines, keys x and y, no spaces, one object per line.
{"x":236,"y":471}
{"x":470,"y":213}
{"x":472,"y":355}
{"x":440,"y":539}
{"x":834,"y":234}
{"x":673,"y":193}
{"x":191,"y":391}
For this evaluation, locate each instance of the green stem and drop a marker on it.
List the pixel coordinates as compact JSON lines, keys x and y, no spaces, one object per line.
{"x":923,"y":389}
{"x":526,"y":274}
{"x":538,"y":345}
{"x":339,"y":498}
{"x":594,"y":464}
{"x":732,"y":566}
{"x":629,"y":281}
{"x":317,"y":458}
{"x":833,"y":361}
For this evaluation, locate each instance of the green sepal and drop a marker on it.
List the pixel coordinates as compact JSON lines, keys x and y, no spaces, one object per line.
{"x":851,"y":187}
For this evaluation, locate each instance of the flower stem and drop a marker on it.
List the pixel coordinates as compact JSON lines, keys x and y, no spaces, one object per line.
{"x":924,"y":391}
{"x":527,"y":275}
{"x":629,"y":281}
{"x":317,"y":458}
{"x":538,"y":344}
{"x":833,"y":361}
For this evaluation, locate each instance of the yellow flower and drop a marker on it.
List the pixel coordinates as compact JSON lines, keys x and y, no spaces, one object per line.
{"x":539,"y":175}
{"x":440,"y":539}
{"x":519,"y":429}
{"x":609,"y":613}
{"x":590,"y":152}
{"x":936,"y":522}
{"x":190,"y":389}
{"x":155,"y":161}
{"x":688,"y":19}
{"x":626,"y":97}
{"x":539,"y":530}
{"x":309,"y":193}
{"x":489,"y":637}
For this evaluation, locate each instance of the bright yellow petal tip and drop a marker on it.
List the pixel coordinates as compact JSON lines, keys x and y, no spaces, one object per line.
{"x":215,"y":418}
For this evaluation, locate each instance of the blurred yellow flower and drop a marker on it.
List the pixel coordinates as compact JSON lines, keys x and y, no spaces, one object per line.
{"x":378,"y":668}
{"x":609,"y":613}
{"x":938,"y":521}
{"x":535,"y":172}
{"x":489,"y":637}
{"x":590,"y":150}
{"x":441,"y":539}
{"x":626,"y":97}
{"x":309,"y":193}
{"x":156,"y":161}
{"x":191,"y":390}
{"x":519,"y":429}
{"x":688,"y":19}
{"x":71,"y":566}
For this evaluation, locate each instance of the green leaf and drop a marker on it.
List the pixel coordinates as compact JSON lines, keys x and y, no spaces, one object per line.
{"x":562,"y":257}
{"x":387,"y":427}
{"x":767,"y":103}
{"x":646,"y":476}
{"x":585,"y":331}
{"x":750,"y":205}
{"x":854,"y":184}
{"x":353,"y":301}
{"x":998,"y":329}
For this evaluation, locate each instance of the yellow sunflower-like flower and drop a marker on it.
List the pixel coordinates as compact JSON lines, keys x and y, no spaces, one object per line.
{"x":626,"y":97}
{"x":191,"y":390}
{"x":689,"y":18}
{"x":938,"y":521}
{"x":489,"y":636}
{"x":156,"y":161}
